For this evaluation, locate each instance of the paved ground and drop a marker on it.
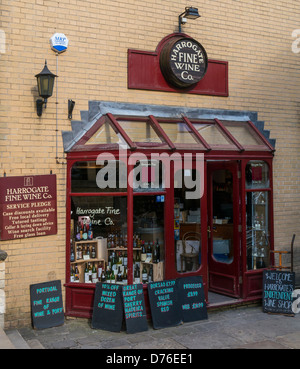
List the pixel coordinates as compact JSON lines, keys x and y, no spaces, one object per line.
{"x":244,"y":327}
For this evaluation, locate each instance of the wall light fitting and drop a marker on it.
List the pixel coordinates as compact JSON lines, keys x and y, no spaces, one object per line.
{"x":189,"y":13}
{"x":45,"y":83}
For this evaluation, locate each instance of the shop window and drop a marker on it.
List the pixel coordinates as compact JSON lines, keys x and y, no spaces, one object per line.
{"x":99,"y":239}
{"x":187,"y":224}
{"x":148,"y":239}
{"x":148,"y":175}
{"x":87,"y":176}
{"x":258,"y":247}
{"x":257,"y":212}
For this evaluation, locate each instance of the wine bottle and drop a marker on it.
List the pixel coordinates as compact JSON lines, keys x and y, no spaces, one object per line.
{"x":137,"y":275}
{"x":112,"y":277}
{"x":124,"y":277}
{"x":72,"y":275}
{"x":90,"y":272}
{"x":94,"y":274}
{"x":119,"y":276}
{"x":150,"y":275}
{"x":90,"y":231}
{"x":88,"y":252}
{"x":76,"y":274}
{"x":143,"y":254}
{"x":84,"y":232}
{"x":107,"y":276}
{"x":100,"y":269}
{"x":103,"y":276}
{"x":144,"y":275}
{"x":93,"y":253}
{"x":72,"y":253}
{"x":149,"y":251}
{"x":79,"y":252}
{"x":86,"y":274}
{"x":78,"y":235}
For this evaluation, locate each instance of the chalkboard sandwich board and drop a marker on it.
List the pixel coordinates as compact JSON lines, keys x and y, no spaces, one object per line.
{"x":278,"y":287}
{"x":46,"y":304}
{"x":192,"y":299}
{"x":134,"y":308}
{"x":108,"y":307}
{"x":164,"y":304}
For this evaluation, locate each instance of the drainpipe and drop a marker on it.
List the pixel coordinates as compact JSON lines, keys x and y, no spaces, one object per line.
{"x":3,"y":256}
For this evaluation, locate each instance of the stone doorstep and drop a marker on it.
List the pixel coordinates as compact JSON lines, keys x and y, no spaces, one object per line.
{"x":5,"y":342}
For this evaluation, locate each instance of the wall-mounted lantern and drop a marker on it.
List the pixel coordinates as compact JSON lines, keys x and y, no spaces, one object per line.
{"x":45,"y":82}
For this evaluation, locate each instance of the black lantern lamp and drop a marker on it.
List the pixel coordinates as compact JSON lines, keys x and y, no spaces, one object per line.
{"x":189,"y":13}
{"x":45,"y":82}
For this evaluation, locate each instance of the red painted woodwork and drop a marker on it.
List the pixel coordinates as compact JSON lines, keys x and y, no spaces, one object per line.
{"x":144,"y":73}
{"x":79,"y":297}
{"x":224,"y":277}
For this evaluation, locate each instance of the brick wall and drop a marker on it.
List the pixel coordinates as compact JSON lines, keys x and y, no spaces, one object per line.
{"x":254,"y":37}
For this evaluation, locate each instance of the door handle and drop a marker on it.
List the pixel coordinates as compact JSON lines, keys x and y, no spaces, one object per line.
{"x":208,"y":232}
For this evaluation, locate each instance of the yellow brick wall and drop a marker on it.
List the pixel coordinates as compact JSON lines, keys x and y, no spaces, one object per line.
{"x":264,"y":76}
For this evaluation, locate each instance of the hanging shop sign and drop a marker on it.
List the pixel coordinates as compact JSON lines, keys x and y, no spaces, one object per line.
{"x":28,"y":207}
{"x":179,"y":64}
{"x":59,"y":42}
{"x":183,"y":62}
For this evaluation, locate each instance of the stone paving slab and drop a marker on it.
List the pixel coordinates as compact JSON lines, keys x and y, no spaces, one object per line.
{"x":244,"y":328}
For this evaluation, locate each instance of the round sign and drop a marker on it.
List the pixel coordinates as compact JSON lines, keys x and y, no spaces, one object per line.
{"x":183,"y":61}
{"x":59,"y":42}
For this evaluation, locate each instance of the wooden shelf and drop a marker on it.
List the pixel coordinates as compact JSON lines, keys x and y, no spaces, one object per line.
{"x":123,"y":249}
{"x":86,"y":261}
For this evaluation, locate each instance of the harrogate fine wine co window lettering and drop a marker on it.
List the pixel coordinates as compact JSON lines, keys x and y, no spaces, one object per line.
{"x":98,"y":239}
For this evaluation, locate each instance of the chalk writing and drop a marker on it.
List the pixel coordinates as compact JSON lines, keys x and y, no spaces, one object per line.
{"x":134,"y":308}
{"x":46,"y":304}
{"x":278,"y":287}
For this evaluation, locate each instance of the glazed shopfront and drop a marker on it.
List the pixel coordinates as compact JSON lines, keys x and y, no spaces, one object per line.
{"x":157,"y":192}
{"x":151,"y":197}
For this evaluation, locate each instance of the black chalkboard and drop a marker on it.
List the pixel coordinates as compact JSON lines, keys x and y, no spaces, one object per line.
{"x":164,"y":304}
{"x":46,"y":304}
{"x":134,"y":308}
{"x":108,"y":307}
{"x":278,"y":287}
{"x":192,"y":299}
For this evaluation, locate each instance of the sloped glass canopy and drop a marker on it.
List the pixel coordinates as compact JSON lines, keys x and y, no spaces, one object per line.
{"x":149,"y":132}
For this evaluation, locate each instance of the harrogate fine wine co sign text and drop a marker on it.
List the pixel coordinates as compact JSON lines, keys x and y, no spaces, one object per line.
{"x":183,"y":62}
{"x":27,"y":207}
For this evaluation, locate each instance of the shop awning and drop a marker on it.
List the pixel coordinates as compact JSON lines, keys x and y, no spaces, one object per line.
{"x":153,"y":132}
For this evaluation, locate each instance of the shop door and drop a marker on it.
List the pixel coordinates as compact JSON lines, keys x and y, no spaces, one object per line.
{"x":223,"y":228}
